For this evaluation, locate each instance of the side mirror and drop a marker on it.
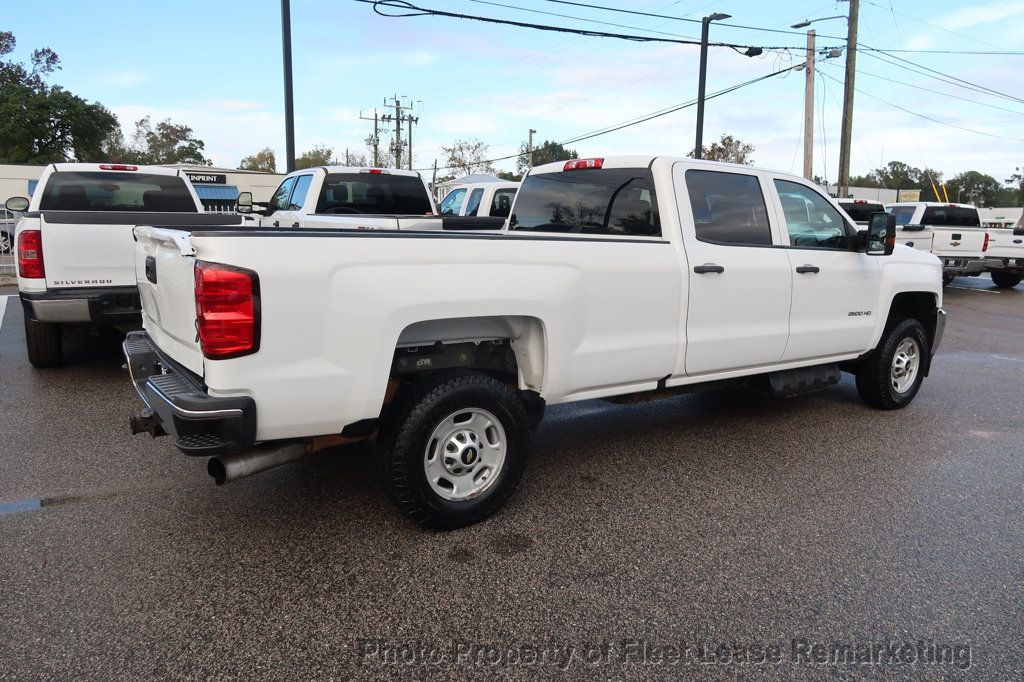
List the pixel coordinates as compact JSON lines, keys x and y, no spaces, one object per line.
{"x":244,"y":202}
{"x":881,"y":236}
{"x":18,"y":204}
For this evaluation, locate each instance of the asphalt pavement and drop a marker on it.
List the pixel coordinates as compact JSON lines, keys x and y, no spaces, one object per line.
{"x":713,"y":535}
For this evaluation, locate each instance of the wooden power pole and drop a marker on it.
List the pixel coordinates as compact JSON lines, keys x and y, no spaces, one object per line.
{"x":809,"y":109}
{"x":848,"y":91}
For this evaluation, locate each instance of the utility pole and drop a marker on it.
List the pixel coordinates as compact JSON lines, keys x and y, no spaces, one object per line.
{"x":848,"y":92}
{"x":809,"y":109}
{"x":398,"y":118}
{"x":529,"y":145}
{"x":411,"y":119}
{"x":289,"y":108}
{"x":374,"y":140}
{"x":433,"y":182}
{"x":705,"y":23}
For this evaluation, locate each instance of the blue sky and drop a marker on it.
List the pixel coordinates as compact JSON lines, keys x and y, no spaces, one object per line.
{"x":217,"y":67}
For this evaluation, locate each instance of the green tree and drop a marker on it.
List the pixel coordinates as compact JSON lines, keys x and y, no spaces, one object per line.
{"x":319,"y":155}
{"x":466,"y":157}
{"x":263,"y":161}
{"x":548,"y":152}
{"x":510,"y":176}
{"x":977,"y":188}
{"x":728,"y":150}
{"x":40,"y":123}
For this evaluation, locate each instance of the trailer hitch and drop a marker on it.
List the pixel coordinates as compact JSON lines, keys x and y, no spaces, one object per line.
{"x":146,"y":422}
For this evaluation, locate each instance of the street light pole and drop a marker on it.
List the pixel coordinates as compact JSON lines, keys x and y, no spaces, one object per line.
{"x":848,"y":92}
{"x":705,"y":23}
{"x":289,"y":108}
{"x":529,"y":145}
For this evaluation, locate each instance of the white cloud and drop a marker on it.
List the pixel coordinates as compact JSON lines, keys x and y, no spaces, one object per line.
{"x":974,"y":15}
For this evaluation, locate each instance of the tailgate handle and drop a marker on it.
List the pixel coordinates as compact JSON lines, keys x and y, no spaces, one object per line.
{"x":151,"y":269}
{"x":957,"y":235}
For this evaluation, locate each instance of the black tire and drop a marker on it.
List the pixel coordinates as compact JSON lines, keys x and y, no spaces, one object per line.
{"x":43,"y":343}
{"x":1005,"y":280}
{"x":405,"y":437}
{"x":947,"y":279}
{"x":874,"y":375}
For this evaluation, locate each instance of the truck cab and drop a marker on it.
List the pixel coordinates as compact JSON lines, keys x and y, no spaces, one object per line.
{"x":481,"y":199}
{"x":347,"y":197}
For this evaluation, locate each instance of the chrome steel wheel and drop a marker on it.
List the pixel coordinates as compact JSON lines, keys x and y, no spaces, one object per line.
{"x":6,"y":243}
{"x":906,"y":362}
{"x":465,"y":454}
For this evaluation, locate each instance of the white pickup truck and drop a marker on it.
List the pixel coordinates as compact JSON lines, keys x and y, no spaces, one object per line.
{"x":1004,"y":258}
{"x":623,"y":278}
{"x":953,"y":232}
{"x":75,"y":249}
{"x":480,"y":199}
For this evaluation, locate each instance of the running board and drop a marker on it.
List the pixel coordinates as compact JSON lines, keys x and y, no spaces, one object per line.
{"x":802,"y":380}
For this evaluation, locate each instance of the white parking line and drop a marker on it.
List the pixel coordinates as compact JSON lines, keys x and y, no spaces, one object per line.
{"x":3,"y":308}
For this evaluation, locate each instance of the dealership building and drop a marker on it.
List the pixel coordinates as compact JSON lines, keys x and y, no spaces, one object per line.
{"x":217,"y":188}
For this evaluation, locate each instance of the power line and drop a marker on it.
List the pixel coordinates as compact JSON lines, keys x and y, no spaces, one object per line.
{"x":940,"y":76}
{"x":861,"y":72}
{"x":575,"y":18}
{"x":890,"y":8}
{"x":641,"y":119}
{"x":415,"y":11}
{"x":928,"y":118}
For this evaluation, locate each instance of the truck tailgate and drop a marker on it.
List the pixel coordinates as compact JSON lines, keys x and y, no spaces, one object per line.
{"x":165,"y":272}
{"x":1003,"y":243}
{"x":916,"y":239}
{"x":958,"y":242}
{"x":82,"y":249}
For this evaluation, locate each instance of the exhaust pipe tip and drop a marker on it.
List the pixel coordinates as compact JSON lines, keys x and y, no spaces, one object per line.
{"x":215,"y":467}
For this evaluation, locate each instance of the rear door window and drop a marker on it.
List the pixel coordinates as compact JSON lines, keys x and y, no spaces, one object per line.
{"x":474,"y":201}
{"x":612,"y":201}
{"x":116,"y":191}
{"x":728,"y":208}
{"x":501,"y":204}
{"x":861,"y":212}
{"x":373,"y":194}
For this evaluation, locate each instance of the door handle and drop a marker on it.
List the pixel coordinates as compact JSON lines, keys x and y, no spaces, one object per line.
{"x":707,"y":267}
{"x":804,"y":269}
{"x":277,"y":223}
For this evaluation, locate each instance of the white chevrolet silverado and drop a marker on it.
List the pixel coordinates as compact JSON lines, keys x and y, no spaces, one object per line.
{"x":480,"y":199}
{"x":75,"y":249}
{"x":953,"y":232}
{"x":1004,"y":258}
{"x":624,"y":278}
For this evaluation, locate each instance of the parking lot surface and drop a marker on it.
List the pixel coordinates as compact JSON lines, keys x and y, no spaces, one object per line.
{"x":725,"y":518}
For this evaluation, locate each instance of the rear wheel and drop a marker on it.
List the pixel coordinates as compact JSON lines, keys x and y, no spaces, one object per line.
{"x":455,"y":447}
{"x":890,"y":376}
{"x":1005,"y":280}
{"x":43,"y":343}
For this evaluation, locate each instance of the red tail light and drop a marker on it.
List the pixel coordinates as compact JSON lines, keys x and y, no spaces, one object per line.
{"x":580,"y":164}
{"x":118,"y":167}
{"x":984,"y":247}
{"x":227,"y":310}
{"x":30,"y":254}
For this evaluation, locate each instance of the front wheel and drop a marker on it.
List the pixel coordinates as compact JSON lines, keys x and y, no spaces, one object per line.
{"x":1005,"y":280}
{"x":890,"y":376}
{"x":455,"y":447}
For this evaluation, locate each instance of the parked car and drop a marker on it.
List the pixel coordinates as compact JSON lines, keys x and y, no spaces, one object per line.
{"x":627,"y":279}
{"x":860,"y":210}
{"x":953,"y":232}
{"x":339,"y":196}
{"x":75,"y":250}
{"x":480,"y":199}
{"x":1004,"y":259}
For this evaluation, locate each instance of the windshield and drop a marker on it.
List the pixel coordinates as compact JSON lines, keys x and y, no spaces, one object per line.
{"x":861,"y":211}
{"x":374,"y":194}
{"x":116,"y":191}
{"x":619,"y":201}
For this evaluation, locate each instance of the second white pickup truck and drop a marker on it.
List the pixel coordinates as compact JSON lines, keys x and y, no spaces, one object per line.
{"x":622,"y":278}
{"x":953,"y":232}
